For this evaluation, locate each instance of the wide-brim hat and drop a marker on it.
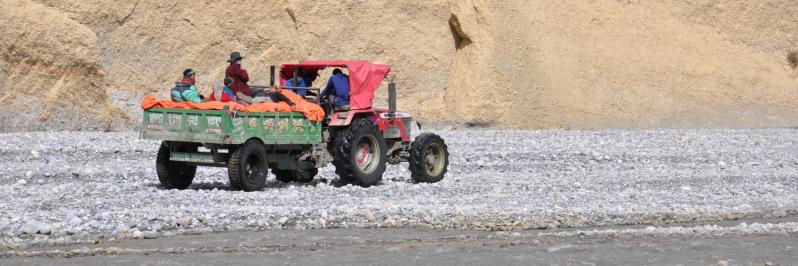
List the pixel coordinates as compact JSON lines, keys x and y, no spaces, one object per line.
{"x":234,"y":56}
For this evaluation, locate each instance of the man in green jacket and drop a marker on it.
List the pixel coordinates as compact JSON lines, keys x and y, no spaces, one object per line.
{"x":185,"y":90}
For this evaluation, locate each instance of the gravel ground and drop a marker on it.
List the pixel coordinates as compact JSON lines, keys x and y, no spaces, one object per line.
{"x":78,"y":187}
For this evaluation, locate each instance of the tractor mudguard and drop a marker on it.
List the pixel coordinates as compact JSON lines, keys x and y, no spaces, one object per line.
{"x":345,"y":118}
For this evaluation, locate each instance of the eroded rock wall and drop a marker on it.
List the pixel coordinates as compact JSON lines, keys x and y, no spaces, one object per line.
{"x":144,"y":45}
{"x":617,"y":64}
{"x":50,"y":72}
{"x":526,"y":64}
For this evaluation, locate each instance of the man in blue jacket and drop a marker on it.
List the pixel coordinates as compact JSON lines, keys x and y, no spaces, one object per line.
{"x":338,"y":85}
{"x":300,"y":83}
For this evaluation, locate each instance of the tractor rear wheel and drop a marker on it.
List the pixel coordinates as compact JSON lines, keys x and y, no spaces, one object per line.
{"x":359,"y":153}
{"x":248,"y":167}
{"x":174,"y":175}
{"x":300,"y":176}
{"x":429,"y":158}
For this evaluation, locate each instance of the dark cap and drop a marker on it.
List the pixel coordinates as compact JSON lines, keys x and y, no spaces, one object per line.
{"x":234,"y":56}
{"x":188,"y":72}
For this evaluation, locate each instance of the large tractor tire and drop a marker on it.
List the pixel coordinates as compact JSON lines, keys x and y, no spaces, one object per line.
{"x":359,"y":154}
{"x":248,"y":167}
{"x":174,"y":175}
{"x":429,"y":158}
{"x":300,"y":176}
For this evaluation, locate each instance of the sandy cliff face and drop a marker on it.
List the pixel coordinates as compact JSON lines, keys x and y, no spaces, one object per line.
{"x":618,"y":64}
{"x":529,"y":64}
{"x":145,"y":45}
{"x":766,"y":26}
{"x":48,"y":59}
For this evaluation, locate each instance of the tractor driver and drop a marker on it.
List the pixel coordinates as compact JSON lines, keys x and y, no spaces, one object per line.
{"x":338,"y":85}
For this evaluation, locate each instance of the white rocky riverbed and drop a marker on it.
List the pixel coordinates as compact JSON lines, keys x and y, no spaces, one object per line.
{"x":83,"y":186}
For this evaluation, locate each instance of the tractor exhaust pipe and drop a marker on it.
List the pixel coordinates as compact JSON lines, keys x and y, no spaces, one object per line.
{"x":271,"y":76}
{"x":391,"y":99}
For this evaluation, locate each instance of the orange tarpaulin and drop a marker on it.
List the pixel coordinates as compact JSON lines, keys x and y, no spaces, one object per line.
{"x":312,"y":112}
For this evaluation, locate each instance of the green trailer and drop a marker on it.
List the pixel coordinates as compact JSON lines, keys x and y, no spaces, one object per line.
{"x":247,"y":143}
{"x":226,"y":127}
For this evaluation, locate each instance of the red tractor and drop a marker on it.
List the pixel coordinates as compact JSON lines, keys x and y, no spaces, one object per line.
{"x":360,"y":139}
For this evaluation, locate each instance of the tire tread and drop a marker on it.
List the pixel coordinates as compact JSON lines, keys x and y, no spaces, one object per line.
{"x":416,"y":161}
{"x":343,"y":149}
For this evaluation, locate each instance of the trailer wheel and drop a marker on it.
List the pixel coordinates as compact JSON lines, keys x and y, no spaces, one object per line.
{"x":248,"y":167}
{"x":173,"y":175}
{"x":429,"y":158}
{"x":359,"y":154}
{"x":300,"y":176}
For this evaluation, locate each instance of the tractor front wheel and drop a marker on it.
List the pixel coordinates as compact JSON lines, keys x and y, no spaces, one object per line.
{"x":429,"y":158}
{"x":359,"y":154}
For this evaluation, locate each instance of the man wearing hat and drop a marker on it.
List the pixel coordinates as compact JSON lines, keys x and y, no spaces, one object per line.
{"x":239,"y":75}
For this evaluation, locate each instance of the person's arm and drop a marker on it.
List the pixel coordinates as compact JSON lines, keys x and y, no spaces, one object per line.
{"x":327,"y":88}
{"x":242,"y":75}
{"x":192,"y":95}
{"x":279,"y":97}
{"x":244,"y":78}
{"x":176,"y":97}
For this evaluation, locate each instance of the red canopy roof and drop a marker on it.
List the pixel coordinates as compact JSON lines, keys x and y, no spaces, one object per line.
{"x":364,"y":78}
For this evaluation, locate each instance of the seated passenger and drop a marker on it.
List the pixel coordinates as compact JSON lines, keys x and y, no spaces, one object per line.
{"x":300,"y":83}
{"x":239,"y":75}
{"x":222,"y":91}
{"x":338,"y":85}
{"x":185,"y":90}
{"x":310,"y":77}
